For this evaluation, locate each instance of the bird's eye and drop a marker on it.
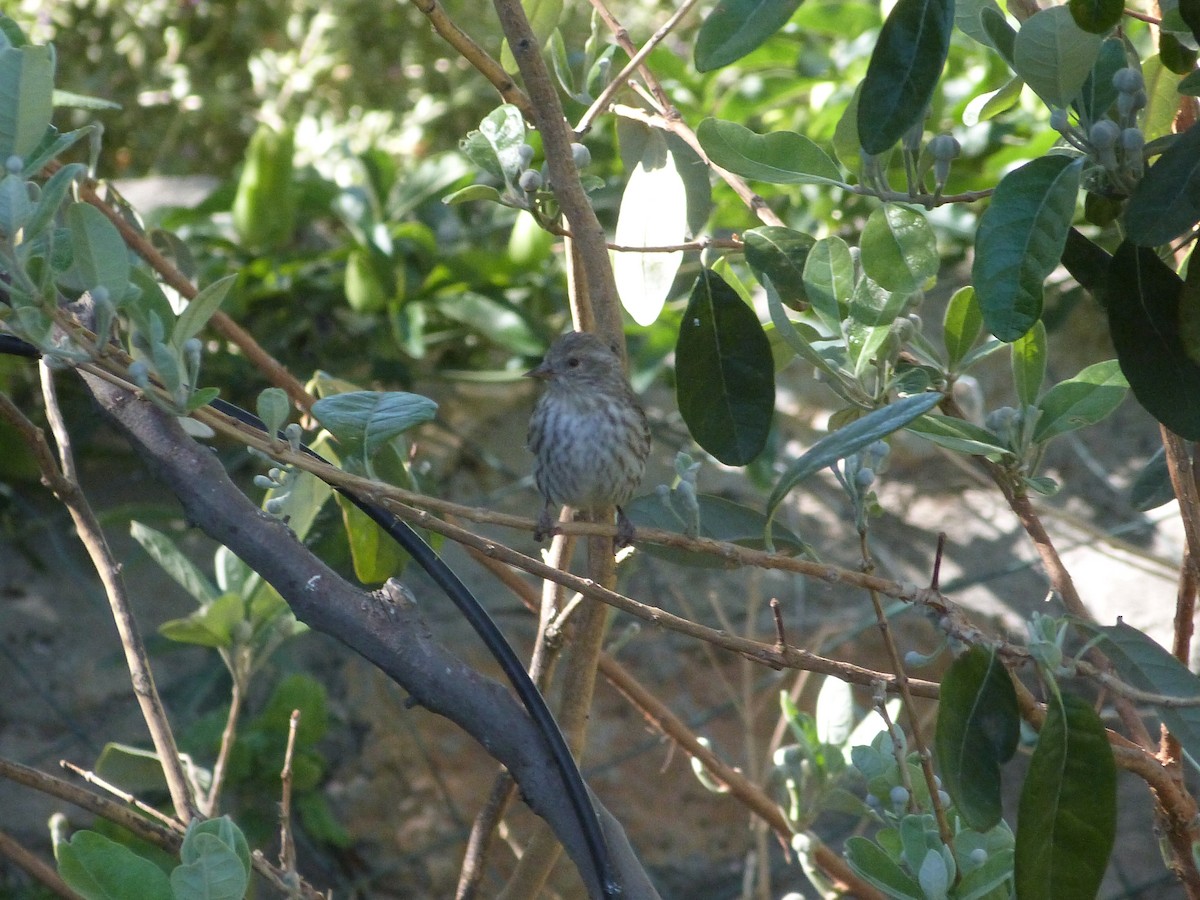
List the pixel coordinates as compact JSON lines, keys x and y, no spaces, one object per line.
{"x":573,"y":362}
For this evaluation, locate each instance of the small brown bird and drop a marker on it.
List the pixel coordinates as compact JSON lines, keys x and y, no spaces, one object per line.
{"x":588,"y":432}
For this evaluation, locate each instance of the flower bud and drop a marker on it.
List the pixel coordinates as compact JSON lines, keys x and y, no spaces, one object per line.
{"x":1129,"y":80}
{"x":14,"y":164}
{"x":1104,"y":134}
{"x":525,"y":155}
{"x":530,"y":181}
{"x":581,"y":155}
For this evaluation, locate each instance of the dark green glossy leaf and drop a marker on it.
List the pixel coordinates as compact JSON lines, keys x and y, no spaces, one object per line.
{"x":1068,"y":811}
{"x":962,"y":324}
{"x":978,"y":726}
{"x":1087,"y":262}
{"x":720,"y":520}
{"x":1174,"y":55}
{"x":1096,"y":16}
{"x":899,"y":250}
{"x":857,"y":435}
{"x":1054,"y":55}
{"x":781,"y":157}
{"x":1028,"y":354}
{"x":1189,"y":310}
{"x":1189,"y":11}
{"x":725,"y":377}
{"x":904,"y":70}
{"x":1147,"y":665}
{"x":1020,"y":241}
{"x":1166,"y":202}
{"x":1190,"y":85}
{"x":735,"y":27}
{"x":1142,"y":295}
{"x":1081,"y":401}
{"x":780,"y":254}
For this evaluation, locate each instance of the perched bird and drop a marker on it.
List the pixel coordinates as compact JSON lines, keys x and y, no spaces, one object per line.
{"x":588,"y":432}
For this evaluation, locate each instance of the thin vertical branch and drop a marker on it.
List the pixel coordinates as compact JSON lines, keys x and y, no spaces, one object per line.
{"x":88,"y":528}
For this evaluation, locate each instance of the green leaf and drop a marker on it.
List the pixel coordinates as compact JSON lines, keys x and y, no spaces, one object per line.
{"x":1152,"y":487}
{"x":1096,"y":16}
{"x":136,"y":769}
{"x":720,"y":520}
{"x":963,"y":437}
{"x":968,"y":17}
{"x":222,"y":828}
{"x":987,"y":106}
{"x":100,"y":257}
{"x":849,"y":439}
{"x":1141,"y":294}
{"x":210,"y":626}
{"x":200,"y":309}
{"x":302,"y":692}
{"x":724,"y":375}
{"x":1067,"y":816}
{"x":1028,"y":354}
{"x":1162,"y":93}
{"x":164,"y":552}
{"x":780,"y":254}
{"x":543,"y":16}
{"x":1145,"y":664}
{"x":962,"y":324}
{"x":273,"y":407}
{"x":376,"y":556}
{"x":829,"y":281}
{"x":215,"y":873}
{"x":781,"y":157}
{"x":872,"y":864}
{"x":471,"y":193}
{"x":15,"y":206}
{"x":653,"y":213}
{"x":1020,"y":241}
{"x":1002,"y":35}
{"x":1166,"y":202}
{"x":978,"y":727}
{"x":53,"y":192}
{"x":1098,"y":93}
{"x":495,"y":147}
{"x":1190,"y":85}
{"x":1081,"y":401}
{"x":366,"y":421}
{"x":497,"y":321}
{"x":1086,"y":261}
{"x":26,"y":98}
{"x":735,"y":27}
{"x":904,"y":70}
{"x":1054,"y":55}
{"x":101,"y":869}
{"x":899,"y":250}
{"x":872,"y":312}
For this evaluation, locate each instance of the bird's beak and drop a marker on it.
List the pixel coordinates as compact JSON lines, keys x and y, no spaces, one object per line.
{"x":540,"y":371}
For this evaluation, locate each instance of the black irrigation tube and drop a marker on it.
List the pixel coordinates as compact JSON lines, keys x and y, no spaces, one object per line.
{"x":479,"y":620}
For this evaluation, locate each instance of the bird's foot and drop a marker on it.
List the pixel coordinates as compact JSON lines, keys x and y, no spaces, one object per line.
{"x":625,"y":531}
{"x":546,"y":526}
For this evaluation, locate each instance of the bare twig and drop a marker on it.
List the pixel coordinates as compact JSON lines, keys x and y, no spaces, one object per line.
{"x":287,"y":844}
{"x":109,"y":570}
{"x":475,"y":55}
{"x":35,"y":867}
{"x":212,"y":802}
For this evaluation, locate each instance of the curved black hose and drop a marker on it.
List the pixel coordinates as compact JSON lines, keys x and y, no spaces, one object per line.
{"x":476,"y":616}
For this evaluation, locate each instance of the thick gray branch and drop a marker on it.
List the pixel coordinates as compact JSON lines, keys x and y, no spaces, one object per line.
{"x":383,"y":626}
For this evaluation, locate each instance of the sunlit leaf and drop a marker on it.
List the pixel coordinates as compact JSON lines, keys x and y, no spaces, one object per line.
{"x":962,"y":324}
{"x":899,"y":250}
{"x":1028,"y":354}
{"x":1081,"y":401}
{"x":26,"y":98}
{"x":98,"y":868}
{"x":780,"y":254}
{"x":1054,"y":55}
{"x":956,"y":434}
{"x":200,"y":310}
{"x":653,"y":213}
{"x":781,"y":157}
